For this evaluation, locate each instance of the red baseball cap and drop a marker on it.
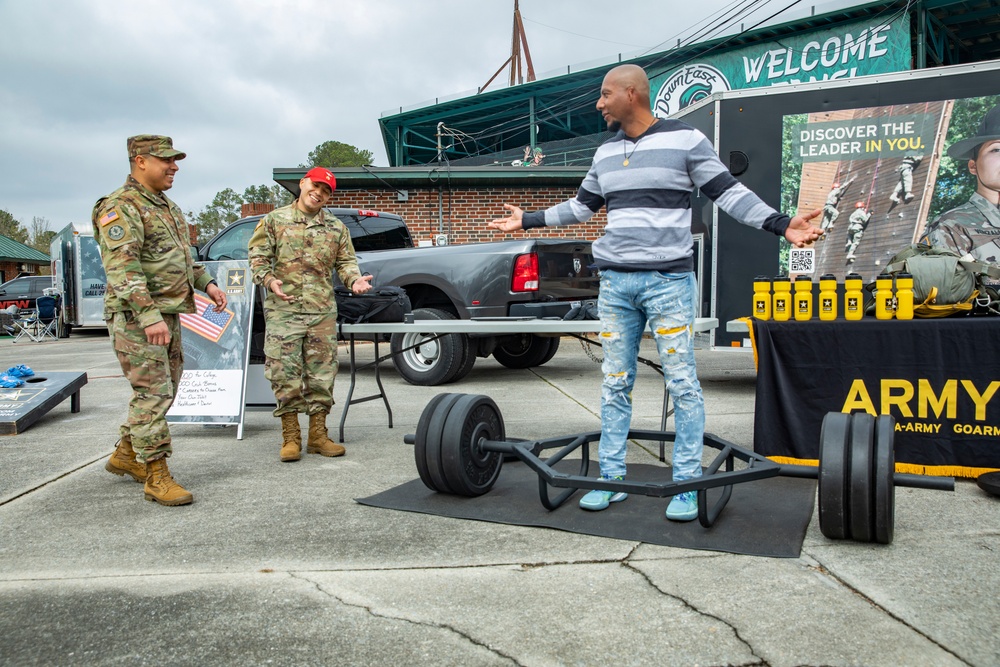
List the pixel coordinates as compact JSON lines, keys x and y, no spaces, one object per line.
{"x":322,"y":175}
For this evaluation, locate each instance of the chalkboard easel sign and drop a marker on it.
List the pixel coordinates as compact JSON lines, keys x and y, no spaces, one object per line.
{"x":216,"y":352}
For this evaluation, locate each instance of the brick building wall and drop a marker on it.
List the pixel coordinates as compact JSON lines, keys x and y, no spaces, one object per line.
{"x":463,"y":212}
{"x":11,"y":269}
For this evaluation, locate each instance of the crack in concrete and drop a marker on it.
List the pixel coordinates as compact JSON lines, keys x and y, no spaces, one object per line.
{"x":442,"y":626}
{"x":824,"y":571}
{"x":760,"y":660}
{"x":54,"y":479}
{"x":271,"y":570}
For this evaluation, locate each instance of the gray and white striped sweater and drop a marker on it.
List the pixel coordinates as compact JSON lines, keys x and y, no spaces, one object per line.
{"x":649,"y":201}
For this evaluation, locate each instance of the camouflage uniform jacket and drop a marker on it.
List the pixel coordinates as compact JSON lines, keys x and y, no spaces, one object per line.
{"x":859,"y":219}
{"x":302,"y":252}
{"x":833,"y":198}
{"x":145,"y":249}
{"x":910,"y":162}
{"x":972,"y":228}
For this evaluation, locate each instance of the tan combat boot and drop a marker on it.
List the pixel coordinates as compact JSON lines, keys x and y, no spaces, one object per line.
{"x":319,"y":442}
{"x":291,"y":434}
{"x":123,"y":462}
{"x":162,"y":488}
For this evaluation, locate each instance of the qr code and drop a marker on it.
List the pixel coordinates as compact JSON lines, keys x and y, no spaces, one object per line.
{"x":800,"y":260}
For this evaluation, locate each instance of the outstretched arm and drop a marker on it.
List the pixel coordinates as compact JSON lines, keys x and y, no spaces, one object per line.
{"x":512,"y":222}
{"x":801,"y":231}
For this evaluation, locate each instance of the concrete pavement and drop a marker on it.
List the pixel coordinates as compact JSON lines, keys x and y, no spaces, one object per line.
{"x":276,"y":564}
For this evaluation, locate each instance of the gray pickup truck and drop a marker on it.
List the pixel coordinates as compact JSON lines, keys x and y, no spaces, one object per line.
{"x":520,"y":278}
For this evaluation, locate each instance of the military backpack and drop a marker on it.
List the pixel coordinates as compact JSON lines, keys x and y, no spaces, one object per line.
{"x":945,"y":284}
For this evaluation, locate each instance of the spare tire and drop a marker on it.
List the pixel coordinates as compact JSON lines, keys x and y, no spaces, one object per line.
{"x":524,"y":350}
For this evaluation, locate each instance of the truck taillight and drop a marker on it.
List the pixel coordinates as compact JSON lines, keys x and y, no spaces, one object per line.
{"x":525,"y":273}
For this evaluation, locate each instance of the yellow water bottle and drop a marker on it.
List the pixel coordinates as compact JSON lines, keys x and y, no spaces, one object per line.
{"x":854,"y":302}
{"x":762,"y":298}
{"x":782,"y":310}
{"x":883,"y":297}
{"x":803,"y":298}
{"x":828,"y":297}
{"x":904,"y":296}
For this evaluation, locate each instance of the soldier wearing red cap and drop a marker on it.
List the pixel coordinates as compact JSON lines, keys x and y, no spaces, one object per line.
{"x":830,"y":211}
{"x":293,"y":253}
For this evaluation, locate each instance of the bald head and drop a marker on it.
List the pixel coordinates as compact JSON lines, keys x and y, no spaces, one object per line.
{"x":630,"y":76}
{"x":624,"y":100}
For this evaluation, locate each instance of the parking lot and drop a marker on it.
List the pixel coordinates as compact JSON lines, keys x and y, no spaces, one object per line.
{"x":275,"y":563}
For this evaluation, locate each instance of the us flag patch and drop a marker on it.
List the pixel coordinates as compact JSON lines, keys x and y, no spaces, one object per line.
{"x":206,"y":322}
{"x":109,"y":217}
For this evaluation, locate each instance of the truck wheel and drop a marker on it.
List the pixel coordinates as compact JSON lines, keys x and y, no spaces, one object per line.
{"x":468,"y":360}
{"x":553,"y":348}
{"x":523,"y":350}
{"x":434,"y":362}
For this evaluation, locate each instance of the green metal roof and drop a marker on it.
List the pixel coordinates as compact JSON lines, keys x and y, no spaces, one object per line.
{"x":415,"y":176}
{"x":496,"y":125}
{"x":14,"y":251}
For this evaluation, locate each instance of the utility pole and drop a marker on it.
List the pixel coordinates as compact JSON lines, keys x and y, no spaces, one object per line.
{"x":518,"y":41}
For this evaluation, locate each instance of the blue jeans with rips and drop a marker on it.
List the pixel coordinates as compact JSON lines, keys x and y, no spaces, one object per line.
{"x":667,"y":302}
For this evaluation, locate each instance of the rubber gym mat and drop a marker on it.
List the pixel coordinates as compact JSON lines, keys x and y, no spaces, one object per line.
{"x":766,"y":517}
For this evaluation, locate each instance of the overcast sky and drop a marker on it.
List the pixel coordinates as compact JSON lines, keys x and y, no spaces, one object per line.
{"x":244,"y":86}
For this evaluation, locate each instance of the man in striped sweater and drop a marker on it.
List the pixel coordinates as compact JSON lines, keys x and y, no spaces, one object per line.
{"x":645,"y":175}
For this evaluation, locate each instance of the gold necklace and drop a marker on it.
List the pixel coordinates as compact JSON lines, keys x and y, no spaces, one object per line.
{"x":636,"y":144}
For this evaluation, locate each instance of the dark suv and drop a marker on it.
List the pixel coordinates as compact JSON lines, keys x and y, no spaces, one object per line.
{"x":370,"y":230}
{"x":23,"y":290}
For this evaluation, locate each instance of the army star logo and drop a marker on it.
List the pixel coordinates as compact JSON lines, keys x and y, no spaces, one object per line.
{"x":236,"y":280}
{"x":116,"y":233}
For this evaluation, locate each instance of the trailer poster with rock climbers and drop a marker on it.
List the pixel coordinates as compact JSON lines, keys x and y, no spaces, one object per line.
{"x":882,"y":176}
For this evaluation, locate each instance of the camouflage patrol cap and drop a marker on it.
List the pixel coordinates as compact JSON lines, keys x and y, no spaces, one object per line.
{"x":155,"y":145}
{"x":989,"y":130}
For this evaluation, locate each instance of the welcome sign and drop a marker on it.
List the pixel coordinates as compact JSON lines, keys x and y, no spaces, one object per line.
{"x":856,"y":49}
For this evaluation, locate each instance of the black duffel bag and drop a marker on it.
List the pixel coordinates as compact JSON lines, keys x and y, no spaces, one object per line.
{"x":379,"y":304}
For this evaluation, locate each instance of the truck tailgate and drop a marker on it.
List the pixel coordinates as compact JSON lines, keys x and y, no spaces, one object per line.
{"x":566,"y":270}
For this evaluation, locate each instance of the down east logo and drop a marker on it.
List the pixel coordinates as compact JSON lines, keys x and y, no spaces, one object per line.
{"x":686,"y":86}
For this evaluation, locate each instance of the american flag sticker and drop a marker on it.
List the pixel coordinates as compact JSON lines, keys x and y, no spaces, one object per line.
{"x":109,"y":217}
{"x":206,"y":322}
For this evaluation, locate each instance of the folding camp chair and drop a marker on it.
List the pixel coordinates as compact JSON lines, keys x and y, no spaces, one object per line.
{"x":40,"y":323}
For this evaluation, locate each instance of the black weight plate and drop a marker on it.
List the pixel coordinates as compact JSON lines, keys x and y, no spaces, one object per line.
{"x":862,"y":490}
{"x":420,"y":441}
{"x":435,"y":436}
{"x":468,"y":469}
{"x":989,"y":482}
{"x":833,"y":450}
{"x":884,"y":503}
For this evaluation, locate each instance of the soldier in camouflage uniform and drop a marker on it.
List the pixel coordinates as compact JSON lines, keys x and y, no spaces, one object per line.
{"x":830,"y":211}
{"x":903,"y":193}
{"x":293,"y":253}
{"x":973,"y":229}
{"x":856,"y":226}
{"x":151,"y":280}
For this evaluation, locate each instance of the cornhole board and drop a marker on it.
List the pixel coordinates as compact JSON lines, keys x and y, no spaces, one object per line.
{"x":22,"y":406}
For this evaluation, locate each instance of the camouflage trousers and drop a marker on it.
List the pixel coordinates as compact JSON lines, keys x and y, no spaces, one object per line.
{"x":854,"y":234}
{"x":154,"y":372}
{"x":830,"y":215}
{"x":301,"y":351}
{"x":904,"y":187}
